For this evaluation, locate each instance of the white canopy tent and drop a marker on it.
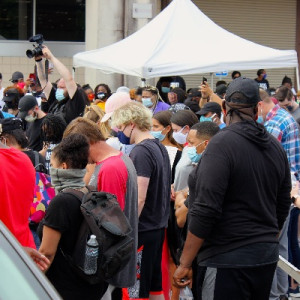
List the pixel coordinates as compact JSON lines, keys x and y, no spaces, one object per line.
{"x":182,"y":40}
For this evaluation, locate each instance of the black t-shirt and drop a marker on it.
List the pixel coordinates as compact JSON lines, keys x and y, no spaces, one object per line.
{"x":64,"y":215}
{"x":34,"y":134}
{"x":68,"y":109}
{"x":264,"y":83}
{"x":151,"y":160}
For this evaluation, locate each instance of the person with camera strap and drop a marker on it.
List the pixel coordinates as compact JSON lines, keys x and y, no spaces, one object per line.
{"x":67,"y":100}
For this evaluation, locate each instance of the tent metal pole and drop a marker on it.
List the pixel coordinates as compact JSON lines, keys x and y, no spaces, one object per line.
{"x":212,"y":81}
{"x":297,"y":77}
{"x":143,"y":82}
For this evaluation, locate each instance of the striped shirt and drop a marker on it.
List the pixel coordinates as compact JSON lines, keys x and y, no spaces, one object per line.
{"x":284,"y":128}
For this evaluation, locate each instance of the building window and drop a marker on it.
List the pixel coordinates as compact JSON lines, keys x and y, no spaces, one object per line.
{"x":56,"y":20}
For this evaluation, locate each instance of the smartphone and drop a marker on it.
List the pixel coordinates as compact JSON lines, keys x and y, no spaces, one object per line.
{"x":204,"y":80}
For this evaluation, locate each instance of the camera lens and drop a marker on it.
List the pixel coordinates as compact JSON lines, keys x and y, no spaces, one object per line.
{"x":30,"y":53}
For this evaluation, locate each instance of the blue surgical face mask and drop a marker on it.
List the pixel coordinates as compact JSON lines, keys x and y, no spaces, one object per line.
{"x":158,"y":135}
{"x":147,"y":102}
{"x":193,"y":155}
{"x":260,"y":120}
{"x":165,"y":89}
{"x":180,"y":137}
{"x":265,"y":76}
{"x":205,"y":119}
{"x":59,"y":95}
{"x":124,"y":139}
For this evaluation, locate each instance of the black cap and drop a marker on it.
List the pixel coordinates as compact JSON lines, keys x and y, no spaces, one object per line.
{"x":243,"y":90}
{"x":10,"y":124}
{"x":26,"y":103}
{"x":194,"y":92}
{"x":221,"y":89}
{"x":10,"y":95}
{"x":213,"y":107}
{"x":16,"y":76}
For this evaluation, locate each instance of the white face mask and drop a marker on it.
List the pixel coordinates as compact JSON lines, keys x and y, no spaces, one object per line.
{"x":180,"y":137}
{"x":30,"y":118}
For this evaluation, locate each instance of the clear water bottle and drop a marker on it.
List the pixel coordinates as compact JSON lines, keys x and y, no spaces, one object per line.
{"x":91,"y":256}
{"x":186,"y":294}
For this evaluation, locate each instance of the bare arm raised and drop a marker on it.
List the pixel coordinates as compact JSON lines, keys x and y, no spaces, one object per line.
{"x":61,"y":69}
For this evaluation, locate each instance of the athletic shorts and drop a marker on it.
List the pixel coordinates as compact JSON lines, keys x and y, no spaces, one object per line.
{"x":148,"y":271}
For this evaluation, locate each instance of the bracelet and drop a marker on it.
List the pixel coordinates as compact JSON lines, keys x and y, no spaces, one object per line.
{"x":37,"y":60}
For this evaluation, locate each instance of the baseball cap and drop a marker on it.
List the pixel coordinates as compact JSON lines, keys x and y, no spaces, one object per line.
{"x":16,"y":76}
{"x":115,"y":101}
{"x":194,"y":92}
{"x":246,"y":87}
{"x":221,"y":89}
{"x":10,"y":95}
{"x":209,"y":107}
{"x":10,"y":124}
{"x":26,"y":103}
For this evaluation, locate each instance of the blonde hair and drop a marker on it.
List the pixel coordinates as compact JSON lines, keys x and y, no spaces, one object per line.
{"x":95,"y":114}
{"x":264,"y":96}
{"x":133,"y":112}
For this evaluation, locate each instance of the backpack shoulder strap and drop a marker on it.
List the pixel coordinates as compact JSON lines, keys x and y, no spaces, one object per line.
{"x":36,"y":159}
{"x":78,"y":194}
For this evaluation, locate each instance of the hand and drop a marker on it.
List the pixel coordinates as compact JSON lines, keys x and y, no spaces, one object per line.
{"x":179,"y":199}
{"x":172,"y":193}
{"x":181,"y":214}
{"x":206,"y":91}
{"x":182,"y":277}
{"x":47,"y":53}
{"x":41,"y":260}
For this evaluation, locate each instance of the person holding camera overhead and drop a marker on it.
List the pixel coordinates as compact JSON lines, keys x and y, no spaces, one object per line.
{"x":68,"y":100}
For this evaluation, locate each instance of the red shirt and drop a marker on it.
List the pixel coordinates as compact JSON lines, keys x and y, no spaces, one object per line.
{"x":112,"y":177}
{"x":17,"y":181}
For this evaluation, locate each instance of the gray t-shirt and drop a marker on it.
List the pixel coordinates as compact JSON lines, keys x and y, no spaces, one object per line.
{"x":183,"y":170}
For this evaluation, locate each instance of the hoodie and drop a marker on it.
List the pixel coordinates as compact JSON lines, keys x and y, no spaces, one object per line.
{"x":242,"y":190}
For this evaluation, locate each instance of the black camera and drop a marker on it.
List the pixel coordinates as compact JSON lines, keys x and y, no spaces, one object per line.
{"x":37,"y":50}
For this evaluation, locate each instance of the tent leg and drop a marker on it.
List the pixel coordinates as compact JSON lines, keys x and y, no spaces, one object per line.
{"x":212,"y":81}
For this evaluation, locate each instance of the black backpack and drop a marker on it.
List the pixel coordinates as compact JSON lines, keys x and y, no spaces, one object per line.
{"x":104,"y":218}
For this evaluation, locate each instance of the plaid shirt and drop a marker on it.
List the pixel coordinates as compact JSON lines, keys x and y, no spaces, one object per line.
{"x":284,"y":128}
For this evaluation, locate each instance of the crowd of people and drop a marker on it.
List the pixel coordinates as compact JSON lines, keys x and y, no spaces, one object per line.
{"x":203,"y":177}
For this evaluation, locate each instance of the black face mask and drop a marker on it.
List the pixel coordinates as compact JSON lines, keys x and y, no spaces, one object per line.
{"x":36,"y":94}
{"x":101,"y":95}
